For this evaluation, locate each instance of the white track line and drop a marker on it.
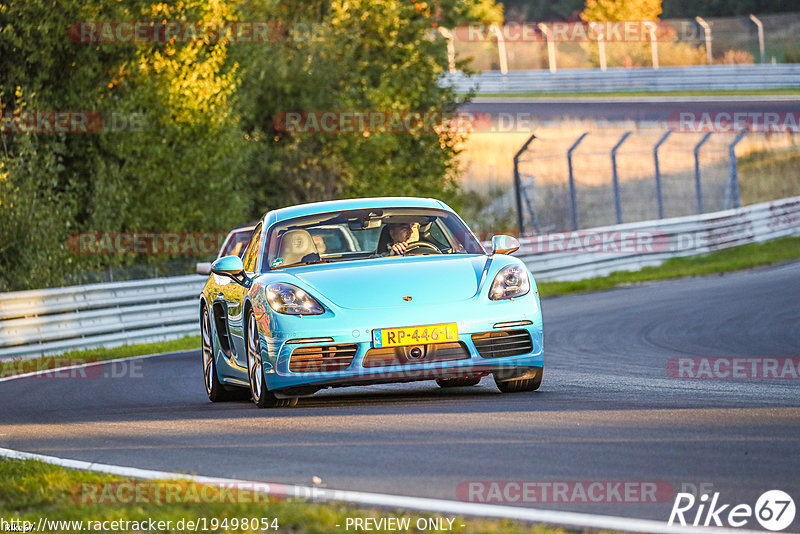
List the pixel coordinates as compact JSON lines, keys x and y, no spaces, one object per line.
{"x":591,"y":521}
{"x":77,"y":365}
{"x":442,"y":506}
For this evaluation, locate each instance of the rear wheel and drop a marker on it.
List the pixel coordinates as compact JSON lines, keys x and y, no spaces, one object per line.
{"x":458,"y":382}
{"x":214,"y":389}
{"x":262,"y":397}
{"x":529,"y":380}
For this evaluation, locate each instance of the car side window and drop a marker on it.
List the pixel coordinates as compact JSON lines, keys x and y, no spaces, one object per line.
{"x":249,"y":260}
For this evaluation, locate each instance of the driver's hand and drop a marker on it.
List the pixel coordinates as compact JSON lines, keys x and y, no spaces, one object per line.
{"x":398,"y":249}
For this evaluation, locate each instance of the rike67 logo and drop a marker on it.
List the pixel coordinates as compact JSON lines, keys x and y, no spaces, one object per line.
{"x":774,"y":510}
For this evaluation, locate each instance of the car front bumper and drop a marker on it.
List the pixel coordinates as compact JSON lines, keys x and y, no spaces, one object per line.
{"x":354,"y":327}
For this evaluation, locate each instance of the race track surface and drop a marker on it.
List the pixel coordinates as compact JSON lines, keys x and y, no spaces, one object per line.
{"x":607,"y":409}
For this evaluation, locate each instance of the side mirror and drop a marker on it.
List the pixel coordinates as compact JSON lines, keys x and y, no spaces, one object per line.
{"x":504,"y":244}
{"x":230,"y":266}
{"x":204,"y":268}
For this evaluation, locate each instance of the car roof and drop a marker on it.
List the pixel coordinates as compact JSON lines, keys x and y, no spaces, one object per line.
{"x":351,"y":204}
{"x":246,"y":226}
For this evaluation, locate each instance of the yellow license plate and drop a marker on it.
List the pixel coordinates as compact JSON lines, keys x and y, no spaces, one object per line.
{"x":414,"y":335}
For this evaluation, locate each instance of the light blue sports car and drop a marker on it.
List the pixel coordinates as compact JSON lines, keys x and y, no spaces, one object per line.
{"x":367,"y":291}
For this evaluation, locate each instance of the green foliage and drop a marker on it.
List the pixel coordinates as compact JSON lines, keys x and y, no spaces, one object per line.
{"x":383,"y":56}
{"x":203,"y":153}
{"x":167,"y":171}
{"x":602,"y":10}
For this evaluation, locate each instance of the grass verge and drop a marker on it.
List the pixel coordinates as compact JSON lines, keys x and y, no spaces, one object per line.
{"x":32,"y":490}
{"x":788,"y":91}
{"x":721,"y":261}
{"x":14,"y":367}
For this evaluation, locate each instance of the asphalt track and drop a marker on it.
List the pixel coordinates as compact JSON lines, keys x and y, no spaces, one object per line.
{"x":607,"y":409}
{"x":653,"y":108}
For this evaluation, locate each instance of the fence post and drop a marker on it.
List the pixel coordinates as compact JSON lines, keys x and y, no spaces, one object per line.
{"x":760,"y":27}
{"x":707,"y":35}
{"x":653,"y":43}
{"x":501,"y":48}
{"x":617,"y":205}
{"x":573,"y":197}
{"x":697,"y":186}
{"x":518,"y":184}
{"x":601,"y":51}
{"x":551,"y":47}
{"x":658,"y":174}
{"x":451,"y":49}
{"x":732,"y":187}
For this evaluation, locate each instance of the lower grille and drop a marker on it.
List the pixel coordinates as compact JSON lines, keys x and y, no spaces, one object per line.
{"x":503,"y":343}
{"x":322,"y":359}
{"x":434,"y":352}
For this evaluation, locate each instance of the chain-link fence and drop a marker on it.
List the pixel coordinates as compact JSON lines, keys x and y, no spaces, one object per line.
{"x":612,"y":176}
{"x":522,"y":45}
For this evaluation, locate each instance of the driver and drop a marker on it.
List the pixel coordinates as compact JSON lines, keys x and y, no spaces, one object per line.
{"x":402,"y":234}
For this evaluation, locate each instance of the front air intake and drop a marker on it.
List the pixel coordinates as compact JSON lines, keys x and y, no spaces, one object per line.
{"x":322,"y":358}
{"x":502,"y":343}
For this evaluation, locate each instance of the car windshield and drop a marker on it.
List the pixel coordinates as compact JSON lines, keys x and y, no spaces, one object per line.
{"x":366,"y":234}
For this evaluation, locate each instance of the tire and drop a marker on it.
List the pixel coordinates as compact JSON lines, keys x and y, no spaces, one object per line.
{"x":262,"y":397}
{"x":214,"y":389}
{"x":527,"y":381}
{"x":458,"y":382}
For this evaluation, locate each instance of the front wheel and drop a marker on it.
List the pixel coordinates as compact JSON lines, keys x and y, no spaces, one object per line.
{"x":529,"y":380}
{"x":262,"y":397}
{"x":214,"y":389}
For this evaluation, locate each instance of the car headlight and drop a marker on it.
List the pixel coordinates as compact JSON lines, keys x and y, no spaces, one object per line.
{"x":510,"y":282}
{"x":291,"y":300}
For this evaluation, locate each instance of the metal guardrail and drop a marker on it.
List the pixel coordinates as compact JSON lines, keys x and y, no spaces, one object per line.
{"x":699,"y":77}
{"x":53,"y":321}
{"x":629,"y":247}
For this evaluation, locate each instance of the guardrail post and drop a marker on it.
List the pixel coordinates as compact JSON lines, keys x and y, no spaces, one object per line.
{"x":518,"y":185}
{"x":617,"y":204}
{"x":697,"y":185}
{"x":732,"y":187}
{"x":573,"y":197}
{"x":658,"y":174}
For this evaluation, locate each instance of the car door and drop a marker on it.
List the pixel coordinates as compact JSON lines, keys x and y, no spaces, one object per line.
{"x":234,"y":300}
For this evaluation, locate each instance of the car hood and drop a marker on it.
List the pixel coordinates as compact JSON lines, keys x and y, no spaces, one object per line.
{"x":384,"y":282}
